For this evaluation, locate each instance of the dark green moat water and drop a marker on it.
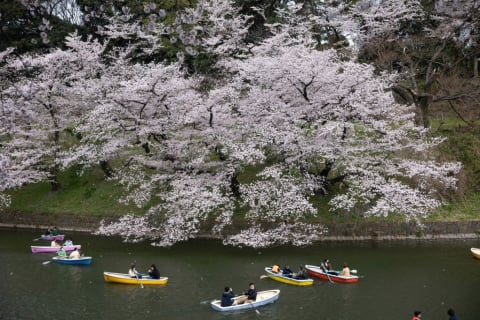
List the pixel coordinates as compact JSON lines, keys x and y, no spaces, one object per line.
{"x":397,"y":278}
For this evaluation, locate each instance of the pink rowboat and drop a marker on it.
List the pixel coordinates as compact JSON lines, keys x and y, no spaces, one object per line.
{"x":46,"y":249}
{"x":316,"y":271}
{"x":50,"y":237}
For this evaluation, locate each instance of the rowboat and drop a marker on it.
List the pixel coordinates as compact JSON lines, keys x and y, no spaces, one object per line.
{"x":333,"y":276}
{"x":49,"y":237}
{"x":81,"y":260}
{"x":475,"y":252}
{"x":263,"y":298}
{"x":43,"y":249}
{"x":126,"y":279}
{"x":286,"y":279}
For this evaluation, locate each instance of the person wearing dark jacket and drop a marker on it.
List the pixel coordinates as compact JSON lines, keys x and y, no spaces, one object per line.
{"x":153,"y":272}
{"x":227,"y":297}
{"x":287,"y":271}
{"x":249,"y":296}
{"x":452,"y":315}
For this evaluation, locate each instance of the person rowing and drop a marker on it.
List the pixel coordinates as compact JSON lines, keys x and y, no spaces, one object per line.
{"x":61,"y":253}
{"x":227,"y":297}
{"x":133,"y":273}
{"x":287,"y":272}
{"x":326,"y":267}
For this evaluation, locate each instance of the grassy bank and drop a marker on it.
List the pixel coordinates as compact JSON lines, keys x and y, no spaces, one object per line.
{"x":90,"y":194}
{"x":87,"y":194}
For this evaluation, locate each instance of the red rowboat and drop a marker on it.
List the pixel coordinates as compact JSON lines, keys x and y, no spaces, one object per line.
{"x":332,"y":276}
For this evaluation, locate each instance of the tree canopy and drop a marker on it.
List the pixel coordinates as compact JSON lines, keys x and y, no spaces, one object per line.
{"x":208,"y":126}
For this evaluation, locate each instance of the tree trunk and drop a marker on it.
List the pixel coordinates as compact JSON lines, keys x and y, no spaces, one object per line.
{"x":424,"y":102}
{"x":475,"y":67}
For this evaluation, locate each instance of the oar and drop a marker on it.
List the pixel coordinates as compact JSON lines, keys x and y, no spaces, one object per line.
{"x":256,"y":310}
{"x":263,"y":276}
{"x":140,"y":281}
{"x":328,"y":276}
{"x":353,"y":271}
{"x":46,"y":262}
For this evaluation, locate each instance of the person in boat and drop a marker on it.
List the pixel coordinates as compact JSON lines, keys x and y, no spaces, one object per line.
{"x":417,"y":315}
{"x":153,"y":272}
{"x":75,"y":254}
{"x":275,"y":268}
{"x":301,"y":274}
{"x":227,"y":297}
{"x":287,"y":271}
{"x":326,"y":266}
{"x":132,"y":272}
{"x":68,"y":243}
{"x":451,"y":314}
{"x":249,"y":296}
{"x":345,"y":271}
{"x":55,"y":231}
{"x":61,"y":252}
{"x":54,"y":243}
{"x":49,"y":231}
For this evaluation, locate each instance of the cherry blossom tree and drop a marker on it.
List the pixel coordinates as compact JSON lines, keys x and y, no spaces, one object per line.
{"x":427,"y":44}
{"x":40,"y":105}
{"x":309,"y":120}
{"x":241,"y":151}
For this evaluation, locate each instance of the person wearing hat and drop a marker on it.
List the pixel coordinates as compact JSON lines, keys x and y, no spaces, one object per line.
{"x":417,"y":315}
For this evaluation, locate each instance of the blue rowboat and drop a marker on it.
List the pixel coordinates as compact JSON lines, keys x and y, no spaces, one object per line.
{"x":81,"y":260}
{"x":263,"y":298}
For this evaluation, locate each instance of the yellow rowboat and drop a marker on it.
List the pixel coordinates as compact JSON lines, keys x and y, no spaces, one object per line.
{"x":126,"y":279}
{"x":286,"y":279}
{"x":475,"y":252}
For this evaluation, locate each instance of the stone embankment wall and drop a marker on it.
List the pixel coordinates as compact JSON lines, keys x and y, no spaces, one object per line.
{"x":349,"y":231}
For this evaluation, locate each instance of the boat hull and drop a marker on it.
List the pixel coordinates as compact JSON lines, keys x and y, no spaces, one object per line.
{"x":124,"y":278}
{"x":263,"y":298}
{"x":47,"y":249}
{"x":58,"y":237}
{"x":317,"y":272}
{"x":288,"y":280}
{"x":475,"y":252}
{"x":79,"y":261}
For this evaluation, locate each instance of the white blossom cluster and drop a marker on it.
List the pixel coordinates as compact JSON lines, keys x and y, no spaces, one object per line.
{"x":297,"y":234}
{"x":282,"y":123}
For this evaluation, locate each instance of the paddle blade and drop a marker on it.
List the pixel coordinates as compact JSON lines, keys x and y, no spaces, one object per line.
{"x":263,"y":276}
{"x":353,"y":271}
{"x":46,"y":262}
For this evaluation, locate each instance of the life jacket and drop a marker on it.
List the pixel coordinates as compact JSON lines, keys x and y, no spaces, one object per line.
{"x":275,"y":269}
{"x":415,"y":318}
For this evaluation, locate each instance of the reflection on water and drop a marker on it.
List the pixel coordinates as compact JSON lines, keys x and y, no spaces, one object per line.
{"x":397,"y":278}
